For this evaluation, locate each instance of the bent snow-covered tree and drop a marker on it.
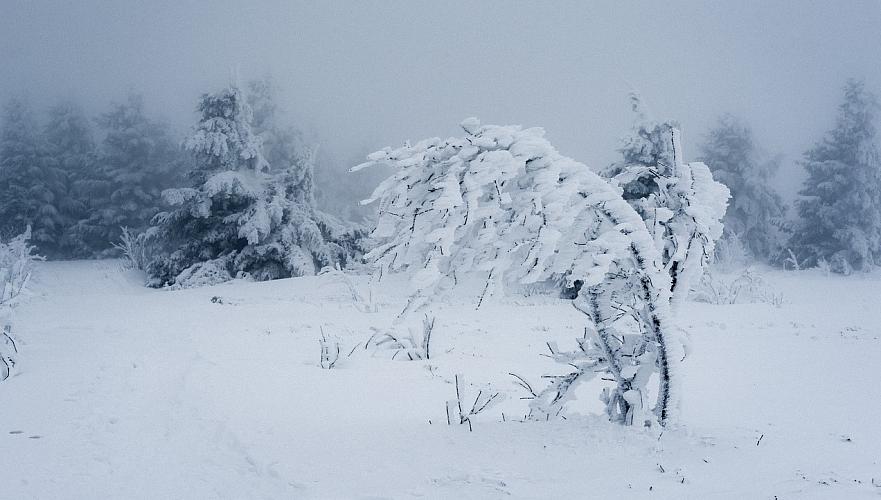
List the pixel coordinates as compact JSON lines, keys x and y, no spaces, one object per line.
{"x":240,"y":218}
{"x":503,"y":202}
{"x":681,"y":204}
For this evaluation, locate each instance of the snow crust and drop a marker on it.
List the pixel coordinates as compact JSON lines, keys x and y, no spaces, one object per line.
{"x":216,"y":392}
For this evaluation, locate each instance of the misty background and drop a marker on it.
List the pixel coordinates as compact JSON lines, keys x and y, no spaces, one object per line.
{"x":357,"y":76}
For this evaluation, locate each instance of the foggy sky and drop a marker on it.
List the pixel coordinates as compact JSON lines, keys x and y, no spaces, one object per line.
{"x":363,"y":75}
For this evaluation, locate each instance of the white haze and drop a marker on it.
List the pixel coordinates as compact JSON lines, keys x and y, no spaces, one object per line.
{"x":362,"y":75}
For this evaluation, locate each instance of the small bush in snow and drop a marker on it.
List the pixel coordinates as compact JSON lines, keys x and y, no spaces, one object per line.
{"x":730,"y":253}
{"x":362,"y":301}
{"x":132,"y":248}
{"x":462,"y":409}
{"x":330,"y":351}
{"x":791,"y":262}
{"x":746,"y":288}
{"x":16,"y":264}
{"x":409,"y":348}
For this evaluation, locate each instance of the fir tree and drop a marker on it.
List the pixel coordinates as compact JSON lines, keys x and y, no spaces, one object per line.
{"x":138,"y":160}
{"x":240,"y":218}
{"x":840,"y":208}
{"x":755,"y":210}
{"x":28,"y":184}
{"x":70,"y":153}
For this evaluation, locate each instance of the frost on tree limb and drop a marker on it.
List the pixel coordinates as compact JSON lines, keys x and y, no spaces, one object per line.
{"x":681,"y":204}
{"x":503,"y":202}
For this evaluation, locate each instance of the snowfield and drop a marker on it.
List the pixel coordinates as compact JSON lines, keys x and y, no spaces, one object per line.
{"x":128,"y":392}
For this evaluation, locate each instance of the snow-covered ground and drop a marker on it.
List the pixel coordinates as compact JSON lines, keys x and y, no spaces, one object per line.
{"x":128,"y":392}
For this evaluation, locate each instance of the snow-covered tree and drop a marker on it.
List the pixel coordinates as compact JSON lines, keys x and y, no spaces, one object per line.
{"x":756,"y":210}
{"x":840,"y":208}
{"x":138,"y":160}
{"x":28,"y":183}
{"x":681,"y":204}
{"x":239,"y":218}
{"x":503,"y":203}
{"x":283,"y":144}
{"x":70,"y":153}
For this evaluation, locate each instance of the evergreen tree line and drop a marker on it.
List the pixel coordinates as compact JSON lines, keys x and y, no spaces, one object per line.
{"x":237,"y":197}
{"x":77,"y":181}
{"x":837,"y":218}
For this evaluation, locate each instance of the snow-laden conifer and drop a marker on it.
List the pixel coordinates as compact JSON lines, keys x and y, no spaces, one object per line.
{"x":840,"y":205}
{"x":755,"y":212}
{"x":137,"y":160}
{"x":71,"y":156}
{"x":502,"y":203}
{"x":240,"y":217}
{"x":29,"y":184}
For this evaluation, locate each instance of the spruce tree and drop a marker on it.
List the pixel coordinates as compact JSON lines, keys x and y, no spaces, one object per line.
{"x":138,"y":160}
{"x":755,"y":210}
{"x":840,"y":205}
{"x":28,"y":184}
{"x":239,"y":218}
{"x":70,"y":154}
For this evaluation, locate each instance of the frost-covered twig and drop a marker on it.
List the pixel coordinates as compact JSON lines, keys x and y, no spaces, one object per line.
{"x":330,"y":351}
{"x":484,"y":400}
{"x":520,"y":381}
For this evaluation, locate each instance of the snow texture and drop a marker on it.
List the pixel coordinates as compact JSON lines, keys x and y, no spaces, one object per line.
{"x":216,"y":392}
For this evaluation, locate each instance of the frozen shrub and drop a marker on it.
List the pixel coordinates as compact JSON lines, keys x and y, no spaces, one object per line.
{"x":501,"y":202}
{"x":744,"y":288}
{"x":16,"y":264}
{"x":409,"y":348}
{"x":330,"y":351}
